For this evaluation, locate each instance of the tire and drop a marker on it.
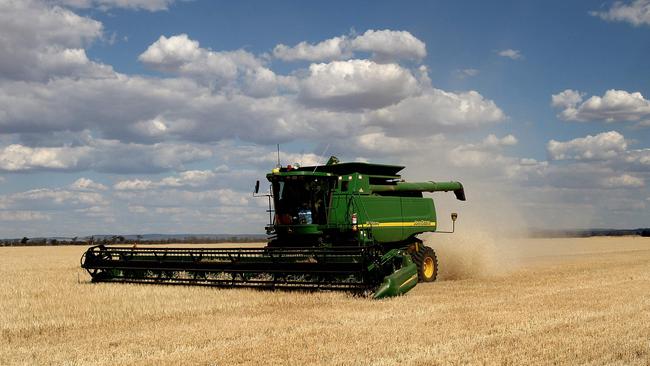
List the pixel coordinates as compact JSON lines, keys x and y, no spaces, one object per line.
{"x":427,"y":262}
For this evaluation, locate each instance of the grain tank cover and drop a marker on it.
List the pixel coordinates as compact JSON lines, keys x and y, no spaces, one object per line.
{"x":356,"y":167}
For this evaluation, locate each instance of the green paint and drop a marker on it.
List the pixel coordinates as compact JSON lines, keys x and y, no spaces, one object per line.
{"x":400,"y":281}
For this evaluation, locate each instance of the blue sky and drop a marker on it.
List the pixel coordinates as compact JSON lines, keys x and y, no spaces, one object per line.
{"x":139,"y":116}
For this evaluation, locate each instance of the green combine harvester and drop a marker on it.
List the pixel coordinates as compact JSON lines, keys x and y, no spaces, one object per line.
{"x":340,"y":226}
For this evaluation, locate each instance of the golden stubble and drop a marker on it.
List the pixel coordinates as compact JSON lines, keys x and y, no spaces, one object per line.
{"x":550,"y":301}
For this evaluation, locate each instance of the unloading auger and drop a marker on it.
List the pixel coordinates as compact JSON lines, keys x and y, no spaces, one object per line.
{"x":340,"y":226}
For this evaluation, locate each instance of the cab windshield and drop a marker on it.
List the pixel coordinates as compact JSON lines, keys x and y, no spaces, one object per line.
{"x":301,"y":200}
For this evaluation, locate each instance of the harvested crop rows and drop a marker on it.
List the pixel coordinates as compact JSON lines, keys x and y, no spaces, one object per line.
{"x":549,"y":301}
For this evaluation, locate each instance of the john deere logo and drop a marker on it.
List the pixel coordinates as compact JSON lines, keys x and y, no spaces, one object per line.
{"x":423,"y":223}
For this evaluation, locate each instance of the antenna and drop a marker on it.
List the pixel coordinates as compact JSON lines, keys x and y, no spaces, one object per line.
{"x":279,"y":165}
{"x":323,"y":154}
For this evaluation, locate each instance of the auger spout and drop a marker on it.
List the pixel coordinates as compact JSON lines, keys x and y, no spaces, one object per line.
{"x":455,"y":187}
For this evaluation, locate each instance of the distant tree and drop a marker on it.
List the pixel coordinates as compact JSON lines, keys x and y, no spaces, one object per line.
{"x":24,"y":240}
{"x":117,"y":239}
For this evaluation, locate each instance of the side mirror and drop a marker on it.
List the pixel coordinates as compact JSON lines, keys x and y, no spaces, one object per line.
{"x":257,"y":187}
{"x":454,"y":216}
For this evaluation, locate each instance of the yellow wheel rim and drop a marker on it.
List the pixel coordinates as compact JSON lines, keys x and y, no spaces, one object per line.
{"x":428,"y":267}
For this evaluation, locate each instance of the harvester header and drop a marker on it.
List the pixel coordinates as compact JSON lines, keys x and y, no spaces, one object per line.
{"x":350,"y":226}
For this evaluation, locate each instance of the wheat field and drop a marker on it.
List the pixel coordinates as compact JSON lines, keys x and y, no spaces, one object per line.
{"x":532,"y":301}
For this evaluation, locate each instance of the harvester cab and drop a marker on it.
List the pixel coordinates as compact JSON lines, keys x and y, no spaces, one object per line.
{"x":351,"y":204}
{"x":350,"y":226}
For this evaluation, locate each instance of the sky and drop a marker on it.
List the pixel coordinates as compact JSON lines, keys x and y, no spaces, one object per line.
{"x":158,"y":116}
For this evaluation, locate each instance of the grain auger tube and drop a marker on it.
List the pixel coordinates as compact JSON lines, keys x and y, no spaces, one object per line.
{"x":339,"y":226}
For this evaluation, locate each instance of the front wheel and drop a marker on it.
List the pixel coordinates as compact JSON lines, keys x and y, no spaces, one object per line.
{"x":425,"y":259}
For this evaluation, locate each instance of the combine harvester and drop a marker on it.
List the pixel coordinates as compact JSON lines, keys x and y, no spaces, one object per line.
{"x":339,"y":226}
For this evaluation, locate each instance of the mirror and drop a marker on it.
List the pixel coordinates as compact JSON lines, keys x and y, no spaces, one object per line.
{"x":257,"y":187}
{"x":454,"y":216}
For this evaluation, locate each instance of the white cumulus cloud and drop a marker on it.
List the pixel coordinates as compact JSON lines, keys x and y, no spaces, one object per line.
{"x":150,"y":5}
{"x":566,"y":99}
{"x":327,"y":50}
{"x":101,"y":155}
{"x":623,"y":181}
{"x":22,"y":215}
{"x":511,"y":54}
{"x":614,"y":105}
{"x":133,"y":185}
{"x":493,"y":141}
{"x":636,"y":12}
{"x":638,"y":159}
{"x":40,"y":41}
{"x":604,"y":145}
{"x":171,"y":53}
{"x":185,"y":179}
{"x":436,"y":111}
{"x":51,"y":198}
{"x":390,"y":45}
{"x":85,"y":184}
{"x":182,"y":55}
{"x":383,"y":45}
{"x":23,"y":158}
{"x":235,"y":70}
{"x":357,"y":84}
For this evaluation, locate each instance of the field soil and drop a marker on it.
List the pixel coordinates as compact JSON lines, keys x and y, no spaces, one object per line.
{"x":521,"y":301}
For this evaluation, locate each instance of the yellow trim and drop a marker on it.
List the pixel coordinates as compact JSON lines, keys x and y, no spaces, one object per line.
{"x":414,"y":277}
{"x":398,"y":224}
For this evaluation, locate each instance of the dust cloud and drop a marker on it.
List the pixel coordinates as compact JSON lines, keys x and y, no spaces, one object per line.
{"x":462,"y":256}
{"x":489,"y":239}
